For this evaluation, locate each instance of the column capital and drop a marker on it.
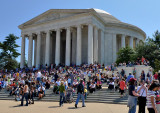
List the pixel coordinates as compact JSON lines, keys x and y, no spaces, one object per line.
{"x":123,"y":35}
{"x":131,"y":36}
{"x":57,"y":29}
{"x":73,"y":30}
{"x":95,"y":27}
{"x":102,"y":30}
{"x":30,"y":35}
{"x":68,"y":28}
{"x":114,"y":34}
{"x":47,"y":31}
{"x":37,"y":33}
{"x":79,"y":25}
{"x":23,"y":35}
{"x":91,"y":24}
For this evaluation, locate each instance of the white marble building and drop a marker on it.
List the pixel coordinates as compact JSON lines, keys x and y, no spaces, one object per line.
{"x":76,"y":36}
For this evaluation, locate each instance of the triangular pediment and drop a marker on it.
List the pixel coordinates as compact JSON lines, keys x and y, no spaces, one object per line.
{"x":53,"y":14}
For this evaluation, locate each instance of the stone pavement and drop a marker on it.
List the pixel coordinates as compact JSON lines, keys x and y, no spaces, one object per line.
{"x":52,"y":107}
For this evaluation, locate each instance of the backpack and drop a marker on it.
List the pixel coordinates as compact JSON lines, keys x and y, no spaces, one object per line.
{"x":80,"y":88}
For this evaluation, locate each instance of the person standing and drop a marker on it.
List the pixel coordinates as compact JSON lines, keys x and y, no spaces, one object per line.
{"x":122,"y":72}
{"x":156,"y":76}
{"x":25,"y":93}
{"x":39,"y":75}
{"x":151,"y":101}
{"x":143,"y":75}
{"x":122,"y":86}
{"x":80,"y":92}
{"x":142,"y":90}
{"x":132,"y":98}
{"x":129,"y":77}
{"x":62,"y":93}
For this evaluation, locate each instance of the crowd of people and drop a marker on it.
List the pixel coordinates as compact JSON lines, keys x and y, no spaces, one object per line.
{"x":65,"y":80}
{"x":85,"y":79}
{"x":139,"y":61}
{"x":146,"y":94}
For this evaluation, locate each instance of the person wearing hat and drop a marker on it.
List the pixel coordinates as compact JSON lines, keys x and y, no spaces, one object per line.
{"x":132,"y":98}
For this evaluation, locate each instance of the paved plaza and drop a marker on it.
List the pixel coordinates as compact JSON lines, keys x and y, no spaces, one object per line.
{"x":52,"y":107}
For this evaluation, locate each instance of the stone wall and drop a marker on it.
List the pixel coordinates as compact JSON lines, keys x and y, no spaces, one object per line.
{"x":138,"y":68}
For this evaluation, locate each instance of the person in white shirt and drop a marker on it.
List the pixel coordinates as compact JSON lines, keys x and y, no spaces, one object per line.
{"x":151,"y":101}
{"x":142,"y":90}
{"x":58,"y":82}
{"x":5,"y":83}
{"x":92,"y":87}
{"x":39,"y":75}
{"x":41,"y":91}
{"x":111,"y":84}
{"x":69,"y":81}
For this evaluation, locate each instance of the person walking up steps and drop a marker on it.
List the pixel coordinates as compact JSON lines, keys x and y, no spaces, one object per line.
{"x":80,"y":92}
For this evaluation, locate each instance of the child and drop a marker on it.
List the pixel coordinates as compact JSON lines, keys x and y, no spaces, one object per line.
{"x":85,"y":92}
{"x":122,"y":86}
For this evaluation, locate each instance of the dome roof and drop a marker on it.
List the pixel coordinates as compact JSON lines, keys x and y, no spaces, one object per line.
{"x":106,"y":16}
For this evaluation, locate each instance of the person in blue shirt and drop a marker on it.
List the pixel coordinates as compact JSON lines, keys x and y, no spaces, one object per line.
{"x":129,"y":77}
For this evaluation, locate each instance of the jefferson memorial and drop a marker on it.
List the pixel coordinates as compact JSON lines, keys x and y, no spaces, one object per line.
{"x":76,"y":36}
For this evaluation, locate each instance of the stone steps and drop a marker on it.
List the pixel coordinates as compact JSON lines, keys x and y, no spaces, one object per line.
{"x":100,"y":96}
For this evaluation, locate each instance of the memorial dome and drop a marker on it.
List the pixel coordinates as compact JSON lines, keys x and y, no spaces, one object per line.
{"x":106,"y":16}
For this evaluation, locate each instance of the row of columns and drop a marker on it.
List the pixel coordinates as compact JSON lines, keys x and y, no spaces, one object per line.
{"x":93,"y":39}
{"x":123,"y":41}
{"x":92,"y":47}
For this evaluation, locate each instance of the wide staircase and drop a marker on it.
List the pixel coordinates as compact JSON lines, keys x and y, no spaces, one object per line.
{"x":99,"y":96}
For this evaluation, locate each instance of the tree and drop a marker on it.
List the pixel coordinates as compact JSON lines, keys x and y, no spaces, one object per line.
{"x":150,"y":51}
{"x":125,"y":55}
{"x":155,"y":39}
{"x":157,"y":65}
{"x":9,"y":52}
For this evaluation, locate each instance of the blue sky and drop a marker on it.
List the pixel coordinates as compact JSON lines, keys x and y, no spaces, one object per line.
{"x":142,"y":13}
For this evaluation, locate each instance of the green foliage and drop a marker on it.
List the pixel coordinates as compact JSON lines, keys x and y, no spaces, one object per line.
{"x":11,"y":64}
{"x":155,"y":39}
{"x":125,"y":55}
{"x":9,"y":52}
{"x":157,"y":65}
{"x":150,"y":51}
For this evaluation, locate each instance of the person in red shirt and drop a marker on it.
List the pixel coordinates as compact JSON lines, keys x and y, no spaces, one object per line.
{"x":122,"y":86}
{"x":143,"y":60}
{"x":156,"y":76}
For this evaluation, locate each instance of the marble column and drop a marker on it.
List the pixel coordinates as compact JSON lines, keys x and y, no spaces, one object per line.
{"x":131,"y":42}
{"x":57,"y":58}
{"x":68,"y":46}
{"x":102,"y":47}
{"x":123,"y":42}
{"x":79,"y":44}
{"x":30,"y":51}
{"x":114,"y":36}
{"x":90,"y":44}
{"x":74,"y":46}
{"x":35,"y":50}
{"x":22,"y":52}
{"x":47,"y":51}
{"x":38,"y":50}
{"x":137,"y":42}
{"x":95,"y":45}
